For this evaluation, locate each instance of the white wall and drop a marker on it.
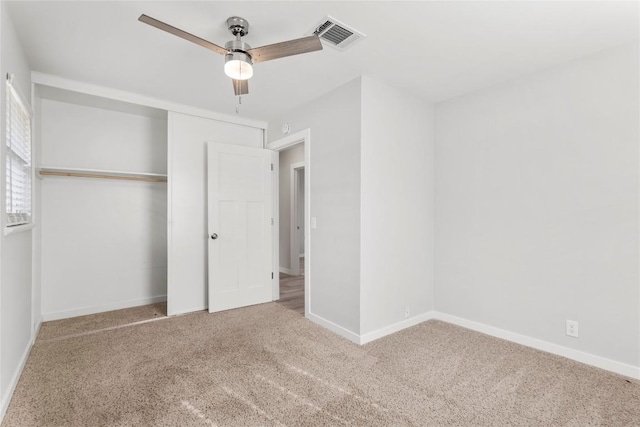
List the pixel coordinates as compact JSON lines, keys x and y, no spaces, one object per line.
{"x":537,"y":205}
{"x":15,"y":255}
{"x":103,"y":241}
{"x":334,"y":120}
{"x":36,"y":206}
{"x":80,"y":136}
{"x":188,"y":237}
{"x":372,"y":190}
{"x":397,"y":192}
{"x":287,"y":158}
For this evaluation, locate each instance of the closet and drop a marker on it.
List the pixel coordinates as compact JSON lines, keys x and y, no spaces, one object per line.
{"x":120,"y":198}
{"x":103,"y":203}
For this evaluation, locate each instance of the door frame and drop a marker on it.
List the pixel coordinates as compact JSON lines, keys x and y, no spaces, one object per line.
{"x":300,"y":137}
{"x":294,"y":247}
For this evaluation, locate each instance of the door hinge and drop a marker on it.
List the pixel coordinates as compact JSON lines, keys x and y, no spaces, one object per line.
{"x":271,"y":166}
{"x":272,"y":274}
{"x":271,"y":221}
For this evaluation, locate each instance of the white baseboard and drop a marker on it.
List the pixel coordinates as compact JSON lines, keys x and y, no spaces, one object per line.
{"x":46,"y":317}
{"x":36,"y":331}
{"x":285,"y":270}
{"x":6,"y":399}
{"x":577,"y":355}
{"x":327,"y":324}
{"x":388,"y":330}
{"x":569,"y":353}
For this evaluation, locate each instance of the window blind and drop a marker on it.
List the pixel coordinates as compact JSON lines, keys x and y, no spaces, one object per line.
{"x":18,"y":138}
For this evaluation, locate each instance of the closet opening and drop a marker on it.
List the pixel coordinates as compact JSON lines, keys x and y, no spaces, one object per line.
{"x":101,"y":203}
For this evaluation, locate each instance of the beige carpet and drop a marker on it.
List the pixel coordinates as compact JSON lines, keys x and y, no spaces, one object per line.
{"x":110,"y":319}
{"x":268,"y":366}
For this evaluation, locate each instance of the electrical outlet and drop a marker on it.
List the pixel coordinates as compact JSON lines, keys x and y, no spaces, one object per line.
{"x":572,"y":328}
{"x":407,"y":313}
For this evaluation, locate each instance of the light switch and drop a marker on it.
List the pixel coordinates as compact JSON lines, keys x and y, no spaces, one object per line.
{"x":313,"y":222}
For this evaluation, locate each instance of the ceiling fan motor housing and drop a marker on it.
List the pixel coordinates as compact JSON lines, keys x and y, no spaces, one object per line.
{"x":238,"y":48}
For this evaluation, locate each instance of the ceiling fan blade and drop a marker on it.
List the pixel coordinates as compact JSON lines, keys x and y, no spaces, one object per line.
{"x":288,"y":48}
{"x":240,"y":87}
{"x":183,"y":34}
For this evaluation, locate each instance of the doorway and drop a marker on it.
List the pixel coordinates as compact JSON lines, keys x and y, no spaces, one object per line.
{"x":291,"y":283}
{"x":292,"y":237}
{"x":296,"y":221}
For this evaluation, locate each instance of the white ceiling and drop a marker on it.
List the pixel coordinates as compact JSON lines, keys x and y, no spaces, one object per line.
{"x":433,"y":49}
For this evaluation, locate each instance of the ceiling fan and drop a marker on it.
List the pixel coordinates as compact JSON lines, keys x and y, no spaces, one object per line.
{"x":239,"y":56}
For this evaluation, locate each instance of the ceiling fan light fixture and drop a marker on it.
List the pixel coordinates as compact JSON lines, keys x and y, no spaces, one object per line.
{"x":237,"y":65}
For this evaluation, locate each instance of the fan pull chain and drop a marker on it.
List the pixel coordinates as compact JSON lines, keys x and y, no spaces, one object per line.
{"x":239,"y":104}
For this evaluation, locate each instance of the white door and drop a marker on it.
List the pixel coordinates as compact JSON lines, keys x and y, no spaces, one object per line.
{"x":239,"y":201}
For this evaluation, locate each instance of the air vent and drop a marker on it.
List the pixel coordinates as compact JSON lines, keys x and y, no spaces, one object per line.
{"x":336,"y":34}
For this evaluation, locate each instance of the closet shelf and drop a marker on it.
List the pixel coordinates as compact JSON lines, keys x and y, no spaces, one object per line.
{"x":102,"y":174}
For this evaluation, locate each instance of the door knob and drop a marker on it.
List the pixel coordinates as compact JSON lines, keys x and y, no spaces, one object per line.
{"x":214,"y":236}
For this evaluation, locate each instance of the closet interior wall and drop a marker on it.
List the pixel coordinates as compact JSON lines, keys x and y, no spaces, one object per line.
{"x":103,"y":241}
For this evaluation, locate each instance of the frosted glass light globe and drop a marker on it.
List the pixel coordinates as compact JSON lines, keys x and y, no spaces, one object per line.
{"x":238,"y":66}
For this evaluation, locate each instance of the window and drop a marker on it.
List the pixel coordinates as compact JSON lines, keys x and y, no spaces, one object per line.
{"x":18,"y":159}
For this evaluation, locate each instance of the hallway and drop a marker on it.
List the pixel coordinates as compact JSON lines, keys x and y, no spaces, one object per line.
{"x":292,"y":290}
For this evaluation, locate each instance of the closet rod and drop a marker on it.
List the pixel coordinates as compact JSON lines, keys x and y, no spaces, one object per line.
{"x":103,"y":175}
